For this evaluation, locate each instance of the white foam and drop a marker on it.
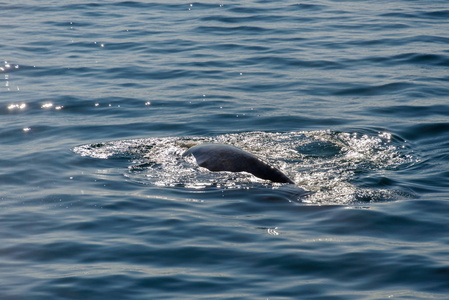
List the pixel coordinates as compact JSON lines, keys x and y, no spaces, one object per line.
{"x":328,"y":168}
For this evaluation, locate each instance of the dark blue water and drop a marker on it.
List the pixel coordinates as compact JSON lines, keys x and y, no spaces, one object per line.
{"x":98,"y":101}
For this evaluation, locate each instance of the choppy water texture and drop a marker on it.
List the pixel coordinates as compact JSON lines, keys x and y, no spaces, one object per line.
{"x":98,"y":101}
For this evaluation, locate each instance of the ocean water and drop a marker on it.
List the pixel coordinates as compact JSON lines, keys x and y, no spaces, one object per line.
{"x":99,"y":99}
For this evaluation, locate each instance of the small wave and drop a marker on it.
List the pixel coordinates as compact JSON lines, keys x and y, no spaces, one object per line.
{"x":394,"y":87}
{"x":413,"y":110}
{"x":420,"y":58}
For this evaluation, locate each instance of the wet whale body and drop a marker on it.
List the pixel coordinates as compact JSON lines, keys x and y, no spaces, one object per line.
{"x":219,"y":157}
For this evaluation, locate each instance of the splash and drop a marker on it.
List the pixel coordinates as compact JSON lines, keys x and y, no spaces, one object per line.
{"x":324,"y":162}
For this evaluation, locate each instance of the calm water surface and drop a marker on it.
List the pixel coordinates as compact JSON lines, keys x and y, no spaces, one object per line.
{"x":99,"y":99}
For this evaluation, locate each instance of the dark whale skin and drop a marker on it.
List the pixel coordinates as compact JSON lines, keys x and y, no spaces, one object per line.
{"x":220,"y":157}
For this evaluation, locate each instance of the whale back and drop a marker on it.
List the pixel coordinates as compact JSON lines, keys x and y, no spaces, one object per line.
{"x":219,"y":157}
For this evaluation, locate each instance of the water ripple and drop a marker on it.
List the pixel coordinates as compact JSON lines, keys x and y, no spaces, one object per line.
{"x":98,"y":100}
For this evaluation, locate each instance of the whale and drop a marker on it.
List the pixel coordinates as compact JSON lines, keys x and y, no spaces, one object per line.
{"x":221,"y":157}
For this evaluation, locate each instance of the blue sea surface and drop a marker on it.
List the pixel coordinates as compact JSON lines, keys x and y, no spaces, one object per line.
{"x":100,"y":99}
